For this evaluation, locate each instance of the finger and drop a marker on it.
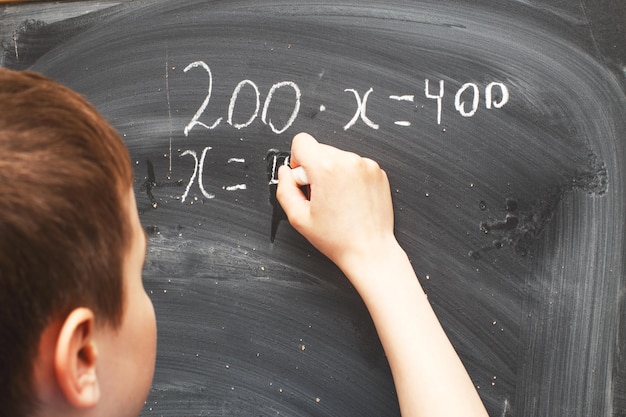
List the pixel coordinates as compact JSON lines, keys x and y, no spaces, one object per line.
{"x":304,"y":148}
{"x":291,"y":198}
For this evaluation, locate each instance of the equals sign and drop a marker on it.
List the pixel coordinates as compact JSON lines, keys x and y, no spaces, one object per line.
{"x":409,"y":98}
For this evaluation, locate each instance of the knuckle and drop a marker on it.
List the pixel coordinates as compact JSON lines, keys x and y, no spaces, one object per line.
{"x":371,"y":167}
{"x":371,"y":164}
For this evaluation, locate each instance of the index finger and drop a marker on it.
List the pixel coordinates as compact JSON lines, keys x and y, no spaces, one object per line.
{"x":304,"y":150}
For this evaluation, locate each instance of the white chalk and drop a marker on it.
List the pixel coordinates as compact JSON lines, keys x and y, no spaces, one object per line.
{"x":300,"y":176}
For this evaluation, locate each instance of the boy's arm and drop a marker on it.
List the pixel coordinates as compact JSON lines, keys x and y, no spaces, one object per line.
{"x":349,"y":218}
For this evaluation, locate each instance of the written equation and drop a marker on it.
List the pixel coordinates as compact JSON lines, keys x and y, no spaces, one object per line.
{"x":467,"y":101}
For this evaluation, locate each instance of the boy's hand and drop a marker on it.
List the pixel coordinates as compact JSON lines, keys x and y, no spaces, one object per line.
{"x":349,"y":216}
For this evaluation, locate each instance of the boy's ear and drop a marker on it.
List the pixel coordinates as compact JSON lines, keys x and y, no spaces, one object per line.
{"x":75,"y":359}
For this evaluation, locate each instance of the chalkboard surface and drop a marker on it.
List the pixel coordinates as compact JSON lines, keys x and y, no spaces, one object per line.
{"x":501,"y":125}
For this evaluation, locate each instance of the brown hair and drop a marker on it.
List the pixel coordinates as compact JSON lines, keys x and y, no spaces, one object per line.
{"x":64,"y":228}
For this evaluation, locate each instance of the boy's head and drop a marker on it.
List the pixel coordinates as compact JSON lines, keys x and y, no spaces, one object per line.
{"x":77,"y":330}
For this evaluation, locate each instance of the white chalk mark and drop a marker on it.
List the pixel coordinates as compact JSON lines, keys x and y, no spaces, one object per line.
{"x":169,"y":107}
{"x":205,"y":103}
{"x":488,"y":95}
{"x":193,"y":176}
{"x":236,"y":187}
{"x":361,"y":111}
{"x":17,"y":54}
{"x":507,"y":406}
{"x":268,"y":100}
{"x":200,"y":170}
{"x":591,"y":32}
{"x":274,"y":179}
{"x":437,"y":97}
{"x":197,"y":171}
{"x":237,"y":160}
{"x":233,"y":100}
{"x":410,"y":98}
{"x":460,"y":105}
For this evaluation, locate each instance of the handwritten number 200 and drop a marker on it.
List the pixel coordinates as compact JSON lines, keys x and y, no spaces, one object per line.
{"x":233,"y":101}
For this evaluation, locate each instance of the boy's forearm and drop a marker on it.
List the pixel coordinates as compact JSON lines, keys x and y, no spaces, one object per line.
{"x":429,"y":376}
{"x":349,"y":218}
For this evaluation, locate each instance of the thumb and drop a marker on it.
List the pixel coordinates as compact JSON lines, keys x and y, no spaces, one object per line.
{"x":291,"y":198}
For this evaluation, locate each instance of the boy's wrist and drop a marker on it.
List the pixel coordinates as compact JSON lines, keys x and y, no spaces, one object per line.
{"x":382,"y":267}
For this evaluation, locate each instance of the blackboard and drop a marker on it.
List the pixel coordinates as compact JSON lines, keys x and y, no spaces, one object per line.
{"x":501,"y":125}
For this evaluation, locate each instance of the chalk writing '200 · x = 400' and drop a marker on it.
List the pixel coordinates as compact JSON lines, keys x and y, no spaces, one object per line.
{"x":467,"y":100}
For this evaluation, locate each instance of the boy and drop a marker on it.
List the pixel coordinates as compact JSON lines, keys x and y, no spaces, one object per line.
{"x":78,"y":329}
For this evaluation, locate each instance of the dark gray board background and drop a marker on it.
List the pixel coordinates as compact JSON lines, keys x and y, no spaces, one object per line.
{"x":533,"y":302}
